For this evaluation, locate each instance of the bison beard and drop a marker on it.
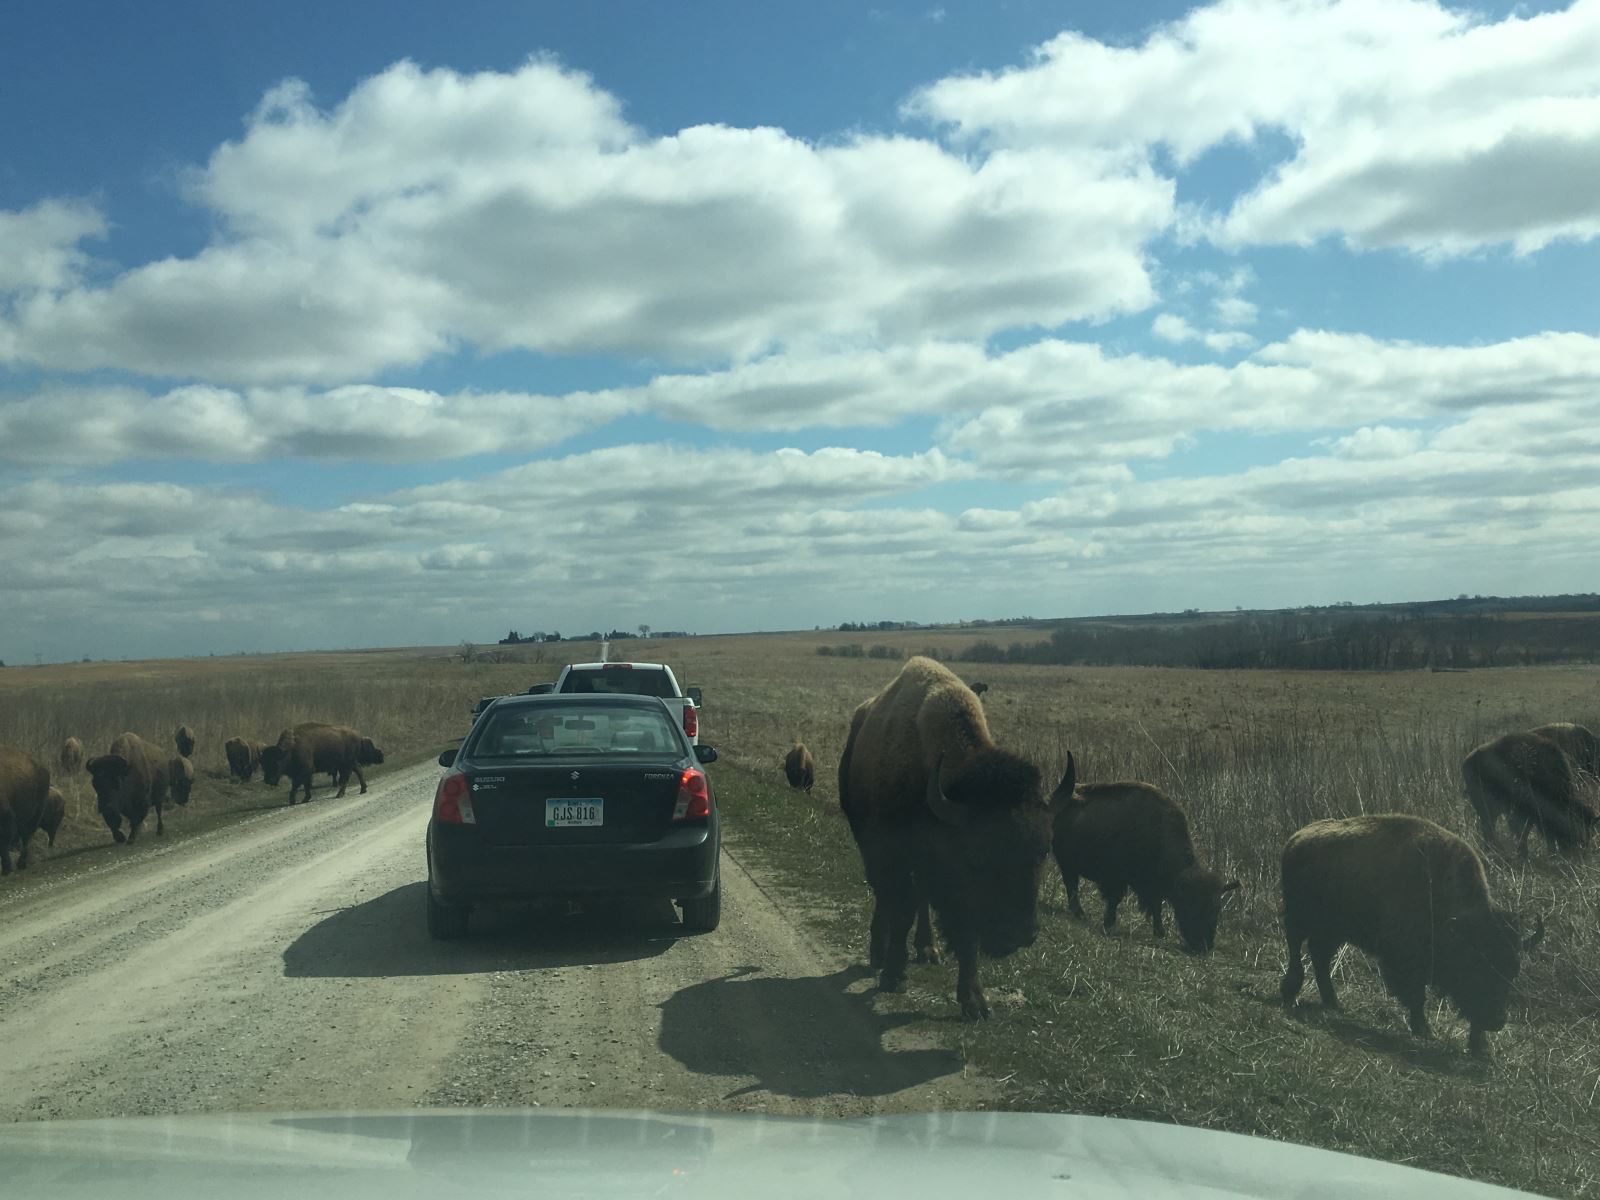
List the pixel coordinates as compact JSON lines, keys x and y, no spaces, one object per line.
{"x":969,"y":838}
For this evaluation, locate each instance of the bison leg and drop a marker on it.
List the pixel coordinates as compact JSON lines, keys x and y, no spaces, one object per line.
{"x":900,"y":910}
{"x":360,"y":778}
{"x":1152,"y":908}
{"x":927,"y":952}
{"x":342,"y":778}
{"x":1112,"y":894}
{"x":1295,"y":977}
{"x":1322,"y":952}
{"x":114,"y":823}
{"x":1411,"y":989}
{"x":969,"y":993}
{"x":878,"y":936}
{"x":161,"y":827}
{"x":8,"y":831}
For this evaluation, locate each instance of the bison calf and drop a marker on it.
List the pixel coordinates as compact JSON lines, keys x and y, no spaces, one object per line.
{"x":1528,"y":779}
{"x":1414,"y":897}
{"x":71,"y":757}
{"x":798,"y":767}
{"x":244,"y":756}
{"x":1123,"y":836}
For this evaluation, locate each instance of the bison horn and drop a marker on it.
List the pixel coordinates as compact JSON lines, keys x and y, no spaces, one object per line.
{"x":1537,"y":935}
{"x":1068,"y":784}
{"x":946,"y":809}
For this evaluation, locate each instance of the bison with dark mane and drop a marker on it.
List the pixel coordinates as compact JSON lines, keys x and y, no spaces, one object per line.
{"x":1412,"y":895}
{"x":24,"y":797}
{"x":306,"y":749}
{"x":798,"y":768}
{"x":1123,"y":836}
{"x":130,"y":780}
{"x":1528,"y":779}
{"x":942,"y":815}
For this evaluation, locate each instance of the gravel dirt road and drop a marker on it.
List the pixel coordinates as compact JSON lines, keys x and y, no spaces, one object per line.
{"x":281,"y":964}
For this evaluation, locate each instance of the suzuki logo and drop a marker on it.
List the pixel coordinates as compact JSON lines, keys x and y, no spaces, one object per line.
{"x":575,"y":774}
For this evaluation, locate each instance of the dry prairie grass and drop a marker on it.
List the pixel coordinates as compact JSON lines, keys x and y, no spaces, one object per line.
{"x":1125,"y":1025}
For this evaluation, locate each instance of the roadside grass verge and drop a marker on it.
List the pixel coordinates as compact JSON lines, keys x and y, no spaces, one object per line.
{"x":1128,"y":1026}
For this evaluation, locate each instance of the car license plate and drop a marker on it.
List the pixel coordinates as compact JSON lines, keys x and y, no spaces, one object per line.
{"x":574,"y":810}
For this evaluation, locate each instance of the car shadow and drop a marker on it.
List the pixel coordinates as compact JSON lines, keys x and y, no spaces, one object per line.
{"x":798,"y":1037}
{"x":387,"y":936}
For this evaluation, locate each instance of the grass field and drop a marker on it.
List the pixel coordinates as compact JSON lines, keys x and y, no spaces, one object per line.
{"x":1125,"y":1025}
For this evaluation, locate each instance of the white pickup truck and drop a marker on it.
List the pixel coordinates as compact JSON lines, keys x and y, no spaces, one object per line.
{"x":634,"y":679}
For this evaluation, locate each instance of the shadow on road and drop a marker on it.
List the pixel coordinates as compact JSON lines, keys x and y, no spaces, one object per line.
{"x":386,"y":936}
{"x":803,"y":1038}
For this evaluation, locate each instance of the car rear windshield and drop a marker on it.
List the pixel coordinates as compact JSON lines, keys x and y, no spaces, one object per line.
{"x":523,"y":731}
{"x":618,"y":681}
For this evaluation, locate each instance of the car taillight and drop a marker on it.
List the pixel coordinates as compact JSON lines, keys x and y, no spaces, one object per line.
{"x":694,"y":797}
{"x":452,"y":803}
{"x":691,"y":720}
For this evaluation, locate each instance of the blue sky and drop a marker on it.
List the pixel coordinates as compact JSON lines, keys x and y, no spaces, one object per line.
{"x":390,"y":324}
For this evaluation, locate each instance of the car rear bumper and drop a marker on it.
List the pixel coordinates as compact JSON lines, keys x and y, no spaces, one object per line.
{"x":461,"y":870}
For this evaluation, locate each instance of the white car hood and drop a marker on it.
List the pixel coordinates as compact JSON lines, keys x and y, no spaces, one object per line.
{"x":548,"y":1153}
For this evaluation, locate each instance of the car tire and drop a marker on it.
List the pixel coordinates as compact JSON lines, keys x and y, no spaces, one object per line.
{"x":446,"y":922}
{"x":703,"y":914}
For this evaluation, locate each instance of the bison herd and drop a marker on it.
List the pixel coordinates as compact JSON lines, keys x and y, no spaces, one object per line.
{"x":134,"y":778}
{"x":946,"y":819}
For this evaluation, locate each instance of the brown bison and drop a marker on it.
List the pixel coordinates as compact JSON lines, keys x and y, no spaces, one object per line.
{"x":181,"y":778}
{"x":71,"y":757}
{"x":24,"y":798}
{"x":1578,"y":742}
{"x":130,"y":780}
{"x":942,"y":815}
{"x":1529,"y":779}
{"x":1414,"y":897}
{"x":1123,"y":836}
{"x":798,"y":767}
{"x":312,"y":747}
{"x":244,"y":756}
{"x":184,"y":739}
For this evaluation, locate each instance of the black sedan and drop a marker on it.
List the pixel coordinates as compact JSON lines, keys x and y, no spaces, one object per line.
{"x":568,"y":797}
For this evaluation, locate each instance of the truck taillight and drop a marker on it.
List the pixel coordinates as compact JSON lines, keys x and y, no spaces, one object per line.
{"x":694,"y":797}
{"x":452,"y":803}
{"x":691,"y":720}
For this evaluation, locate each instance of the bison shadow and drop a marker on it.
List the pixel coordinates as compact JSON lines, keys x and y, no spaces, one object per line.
{"x":798,"y":1037}
{"x":1444,"y":1054}
{"x":387,"y":936}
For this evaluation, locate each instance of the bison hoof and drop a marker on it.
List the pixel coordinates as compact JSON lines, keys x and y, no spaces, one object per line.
{"x":974,"y":1010}
{"x":118,"y":836}
{"x":892,"y":982}
{"x":928,"y":954}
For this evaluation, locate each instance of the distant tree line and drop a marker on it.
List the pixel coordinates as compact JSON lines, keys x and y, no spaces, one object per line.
{"x":1330,"y":639}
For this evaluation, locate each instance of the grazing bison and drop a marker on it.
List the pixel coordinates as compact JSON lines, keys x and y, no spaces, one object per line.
{"x":71,"y":758}
{"x":244,"y":756}
{"x":799,"y":768}
{"x":1414,"y":897}
{"x":313,"y":746}
{"x":1530,"y":780}
{"x":24,"y":797}
{"x":129,"y":781}
{"x":184,"y":738}
{"x":181,"y":778}
{"x":978,"y":687}
{"x":1578,"y":742}
{"x":1123,"y":836}
{"x":941,"y":814}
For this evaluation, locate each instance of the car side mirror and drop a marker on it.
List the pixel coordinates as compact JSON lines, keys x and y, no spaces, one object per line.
{"x":694,"y":695}
{"x":706,"y":754}
{"x":448,"y":758}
